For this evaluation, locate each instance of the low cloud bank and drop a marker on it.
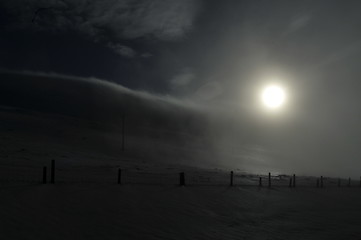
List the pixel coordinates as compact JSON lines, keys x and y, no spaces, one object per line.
{"x":167,"y":129}
{"x":161,"y":126}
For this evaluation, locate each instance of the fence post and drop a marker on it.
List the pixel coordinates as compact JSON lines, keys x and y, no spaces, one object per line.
{"x":44,"y":175}
{"x":269,"y":179}
{"x":260,"y":182}
{"x":52,"y":171}
{"x":339,"y":182}
{"x":318,"y":183}
{"x":290,"y":185}
{"x":321,"y":181}
{"x":181,"y":179}
{"x":119,"y":176}
{"x":349,"y":182}
{"x":231,"y":184}
{"x":294,"y":180}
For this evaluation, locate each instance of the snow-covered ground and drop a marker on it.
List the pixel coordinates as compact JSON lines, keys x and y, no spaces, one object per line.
{"x":110,"y":211}
{"x":87,"y":203}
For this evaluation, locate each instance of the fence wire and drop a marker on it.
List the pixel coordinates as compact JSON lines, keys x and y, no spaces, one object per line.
{"x":109,"y":174}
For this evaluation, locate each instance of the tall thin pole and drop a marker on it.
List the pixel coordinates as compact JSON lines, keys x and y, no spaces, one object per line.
{"x":119,"y":176}
{"x":294,"y":180}
{"x":321,"y":181}
{"x":181,"y":179}
{"x":260,"y":182}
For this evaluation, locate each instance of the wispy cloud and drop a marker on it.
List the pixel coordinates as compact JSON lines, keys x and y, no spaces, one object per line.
{"x":209,"y":91}
{"x":183,"y":79}
{"x":297,"y":23}
{"x":123,"y":50}
{"x":127,"y":19}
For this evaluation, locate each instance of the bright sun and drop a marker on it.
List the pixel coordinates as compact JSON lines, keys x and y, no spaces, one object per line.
{"x":273,"y":96}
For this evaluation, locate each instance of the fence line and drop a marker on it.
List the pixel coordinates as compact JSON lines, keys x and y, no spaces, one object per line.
{"x":110,"y":174}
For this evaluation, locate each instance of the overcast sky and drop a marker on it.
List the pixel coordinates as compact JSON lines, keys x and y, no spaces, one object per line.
{"x":216,"y":52}
{"x":186,"y":47}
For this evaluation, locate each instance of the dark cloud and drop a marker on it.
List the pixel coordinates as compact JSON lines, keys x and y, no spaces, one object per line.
{"x":221,"y":56}
{"x":128,"y":19}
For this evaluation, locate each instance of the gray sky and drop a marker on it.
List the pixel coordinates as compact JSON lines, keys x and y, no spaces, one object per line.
{"x":218,"y":53}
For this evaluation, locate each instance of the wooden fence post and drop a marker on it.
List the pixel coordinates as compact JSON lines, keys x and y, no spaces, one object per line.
{"x":294,"y":180}
{"x":269,"y":179}
{"x":119,"y":176}
{"x":44,"y":175}
{"x":181,"y":179}
{"x":231,"y":183}
{"x":260,"y":182}
{"x":321,"y":181}
{"x":52,"y":180}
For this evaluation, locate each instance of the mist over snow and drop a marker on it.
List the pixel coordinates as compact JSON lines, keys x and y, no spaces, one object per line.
{"x":167,"y":129}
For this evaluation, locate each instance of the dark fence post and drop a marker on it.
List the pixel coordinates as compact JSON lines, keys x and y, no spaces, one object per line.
{"x":294,"y":180}
{"x":181,"y":179}
{"x":52,"y":171}
{"x":290,"y":185}
{"x":231,"y":178}
{"x":269,"y":179}
{"x":44,"y":175}
{"x":321,"y":181}
{"x":119,"y":176}
{"x":260,"y":182}
{"x":339,"y":182}
{"x":349,"y":182}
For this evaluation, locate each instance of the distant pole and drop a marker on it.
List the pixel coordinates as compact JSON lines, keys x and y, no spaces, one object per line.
{"x":339,"y":182}
{"x":349,"y":182}
{"x":269,"y":179}
{"x":44,"y":175}
{"x":181,"y":179}
{"x":321,"y":181}
{"x":290,"y":185}
{"x":294,"y":180}
{"x":119,"y":176}
{"x":52,"y":171}
{"x":231,"y":184}
{"x":123,"y":133}
{"x":260,"y":182}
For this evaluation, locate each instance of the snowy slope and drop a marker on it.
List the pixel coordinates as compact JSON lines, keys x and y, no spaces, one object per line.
{"x":109,"y":211}
{"x":161,"y":139}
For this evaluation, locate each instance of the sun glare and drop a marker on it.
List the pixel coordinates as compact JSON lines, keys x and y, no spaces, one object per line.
{"x":273,"y":96}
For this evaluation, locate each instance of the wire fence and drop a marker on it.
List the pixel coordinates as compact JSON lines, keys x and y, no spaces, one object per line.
{"x":114,"y":175}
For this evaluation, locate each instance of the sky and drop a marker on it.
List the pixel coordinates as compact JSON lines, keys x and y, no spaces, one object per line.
{"x":217,"y":53}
